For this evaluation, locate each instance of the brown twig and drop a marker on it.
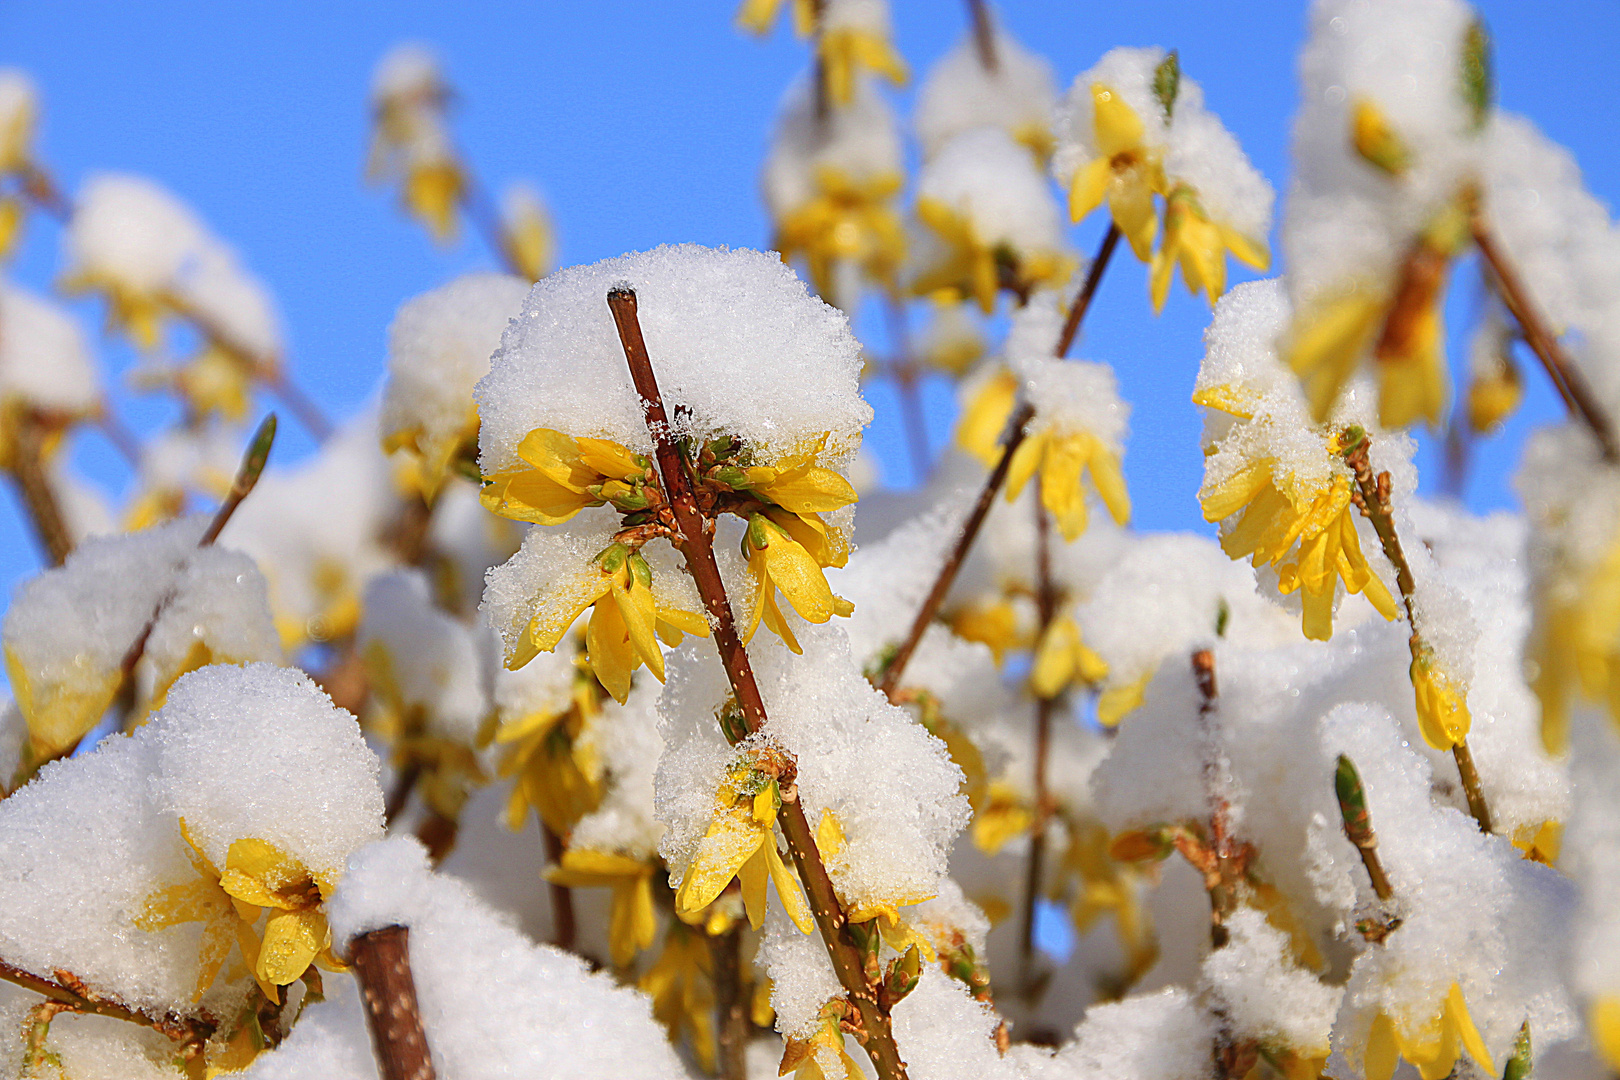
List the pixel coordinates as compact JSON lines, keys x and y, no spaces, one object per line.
{"x":1566,"y":377}
{"x":302,"y":405}
{"x":382,"y":963}
{"x":38,"y":493}
{"x":984,"y":34}
{"x":1046,"y":601}
{"x":1014,"y":436}
{"x":1371,"y":497}
{"x":564,"y":927}
{"x":903,"y":366}
{"x":1358,"y":824}
{"x":75,"y":996}
{"x":696,"y":544}
{"x":1229,"y":855}
{"x":731,"y":1012}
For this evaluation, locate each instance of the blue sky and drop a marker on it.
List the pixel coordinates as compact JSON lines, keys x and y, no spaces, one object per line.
{"x":643,"y":124}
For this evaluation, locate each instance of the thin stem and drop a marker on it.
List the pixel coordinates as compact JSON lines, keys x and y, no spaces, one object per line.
{"x":1372,"y":499}
{"x":564,"y":927}
{"x":1046,"y":606}
{"x":1358,"y":824}
{"x":122,"y":439}
{"x":984,"y":35}
{"x":731,"y":1013}
{"x":302,"y":405}
{"x":480,"y":209}
{"x":399,"y":796}
{"x":823,"y":100}
{"x":1014,"y":437}
{"x":1088,"y":291}
{"x":382,"y":964}
{"x":1566,"y":377}
{"x":72,"y":993}
{"x":1228,"y":856}
{"x":696,"y":544}
{"x":28,"y":468}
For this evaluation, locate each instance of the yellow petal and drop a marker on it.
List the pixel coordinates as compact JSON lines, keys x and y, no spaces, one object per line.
{"x":1458,"y":1012}
{"x":1381,"y":1055}
{"x":787,"y":888}
{"x":1089,"y":187}
{"x":1117,"y":700}
{"x":752,"y":877}
{"x":1604,"y":1020}
{"x":809,"y":489}
{"x":1025,"y":460}
{"x":1119,"y":130}
{"x":610,"y":459}
{"x":732,"y":839}
{"x":1109,"y":480}
{"x":291,"y":940}
{"x":613,"y":658}
{"x":640,"y":616}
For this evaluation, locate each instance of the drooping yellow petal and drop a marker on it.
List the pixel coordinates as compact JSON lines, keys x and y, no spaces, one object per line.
{"x":1604,"y":1021}
{"x":787,"y":889}
{"x":609,"y":458}
{"x":613,"y":657}
{"x":1121,"y":698}
{"x":1089,"y":187}
{"x":291,"y":940}
{"x":1119,"y":130}
{"x":732,"y":840}
{"x":1381,"y":1055}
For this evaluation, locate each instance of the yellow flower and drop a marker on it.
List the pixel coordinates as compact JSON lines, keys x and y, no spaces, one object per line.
{"x":1125,"y":171}
{"x":681,"y":986}
{"x":409,"y":141}
{"x":526,"y":233}
{"x":564,"y":476}
{"x":822,"y":1056}
{"x":1062,"y":659}
{"x":1061,"y":456}
{"x":845,"y":50}
{"x":985,"y":418}
{"x":1107,"y":886}
{"x":741,"y":844}
{"x":993,"y":623}
{"x":830,"y":845}
{"x":1604,"y":1020}
{"x":1319,"y":517}
{"x":1573,"y":647}
{"x":58,"y":712}
{"x":1200,"y":246}
{"x":1494,"y":395}
{"x":847,"y":220}
{"x":555,"y":775}
{"x":953,"y":343}
{"x":428,"y":457}
{"x":1005,"y":814}
{"x":973,"y":265}
{"x":786,"y":552}
{"x":1400,"y":322}
{"x":1434,"y":1048}
{"x":1121,"y":698}
{"x":800,"y":486}
{"x":258,"y":877}
{"x":760,"y":15}
{"x":623,"y":634}
{"x":136,"y":311}
{"x":632,"y":923}
{"x":1442,"y":706}
{"x":1376,"y":140}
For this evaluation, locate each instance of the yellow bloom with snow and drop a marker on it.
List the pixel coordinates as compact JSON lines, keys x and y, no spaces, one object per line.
{"x":1062,"y":659}
{"x":526,"y":233}
{"x":409,"y":143}
{"x":1435,"y":1045}
{"x":553,"y":774}
{"x":1104,"y":886}
{"x":58,"y":712}
{"x":626,"y":621}
{"x":759,"y":16}
{"x":632,"y":923}
{"x":1305,"y":529}
{"x":1574,"y":647}
{"x":985,"y":418}
{"x":821,"y":1055}
{"x":258,"y":877}
{"x":1126,"y":172}
{"x":741,"y":844}
{"x":1199,"y":245}
{"x":681,"y":985}
{"x":1121,"y":697}
{"x":562,"y":475}
{"x":845,"y":50}
{"x":1062,"y":457}
{"x":1442,"y":705}
{"x":830,"y":844}
{"x":846,"y":220}
{"x":1399,"y":321}
{"x":1494,"y":395}
{"x":800,"y":486}
{"x":786,"y":552}
{"x":974,"y":266}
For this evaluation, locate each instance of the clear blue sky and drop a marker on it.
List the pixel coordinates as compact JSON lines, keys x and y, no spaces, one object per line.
{"x":643,"y":123}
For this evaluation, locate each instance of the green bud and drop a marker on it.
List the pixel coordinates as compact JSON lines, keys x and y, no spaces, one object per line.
{"x":1478,"y":79}
{"x":1352,"y":802}
{"x":731,"y":476}
{"x":1167,"y":82}
{"x":1223,"y":615}
{"x":732,"y":723}
{"x":759,"y":534}
{"x":612,"y":558}
{"x":1518,"y":1066}
{"x":640,"y":572}
{"x":903,"y":975}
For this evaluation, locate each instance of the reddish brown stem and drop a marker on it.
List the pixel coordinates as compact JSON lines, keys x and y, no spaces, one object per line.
{"x":1046,"y":602}
{"x":904,"y":367}
{"x":731,"y":1012}
{"x":302,"y":405}
{"x":984,"y":35}
{"x":382,"y":963}
{"x":75,"y":996}
{"x":564,"y":927}
{"x":1021,"y":417}
{"x":1566,"y":377}
{"x":696,"y":544}
{"x":1225,"y":851}
{"x":38,"y":493}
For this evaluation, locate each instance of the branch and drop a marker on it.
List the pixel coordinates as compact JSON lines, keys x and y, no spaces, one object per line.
{"x":564,"y":928}
{"x":1372,"y":499}
{"x":38,"y":493}
{"x":998,"y":476}
{"x":1046,"y":605}
{"x":695,"y":543}
{"x":1358,"y":824}
{"x":731,"y":1014}
{"x":382,"y":963}
{"x":1566,"y":377}
{"x":984,"y":35}
{"x":71,"y":992}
